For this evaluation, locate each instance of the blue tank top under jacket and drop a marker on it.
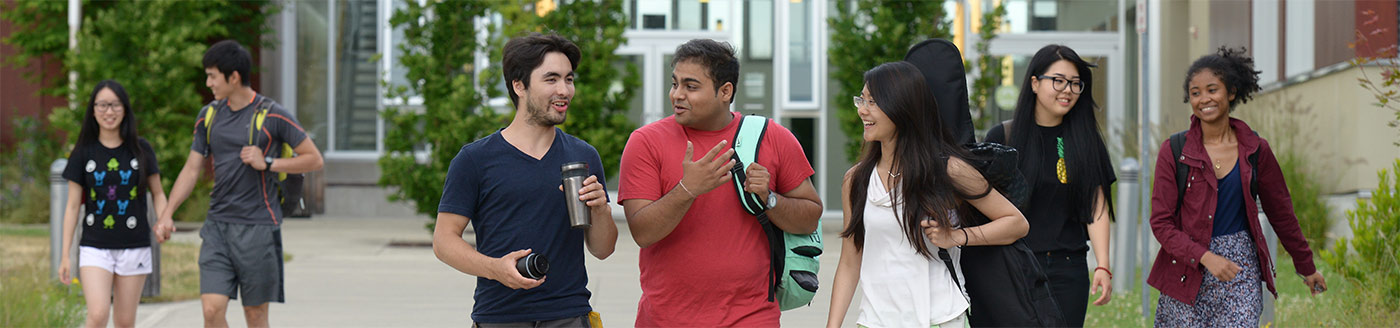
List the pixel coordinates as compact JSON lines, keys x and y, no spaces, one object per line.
{"x":1229,"y":204}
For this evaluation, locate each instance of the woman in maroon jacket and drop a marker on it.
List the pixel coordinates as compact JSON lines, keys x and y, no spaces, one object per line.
{"x":1213,"y":250}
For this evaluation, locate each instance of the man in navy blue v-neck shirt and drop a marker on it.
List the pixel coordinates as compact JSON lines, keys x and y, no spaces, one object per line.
{"x":507,"y":186}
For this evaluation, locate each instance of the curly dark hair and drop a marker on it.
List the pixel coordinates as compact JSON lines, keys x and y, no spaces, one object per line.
{"x":1233,"y":67}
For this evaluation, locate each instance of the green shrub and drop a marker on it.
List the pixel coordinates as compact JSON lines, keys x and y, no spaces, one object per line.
{"x":438,"y":52}
{"x":1369,"y":260}
{"x":438,"y":48}
{"x":1308,"y":204}
{"x":25,"y":173}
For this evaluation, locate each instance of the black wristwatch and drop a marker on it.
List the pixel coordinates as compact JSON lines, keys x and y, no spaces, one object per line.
{"x":267,"y":160}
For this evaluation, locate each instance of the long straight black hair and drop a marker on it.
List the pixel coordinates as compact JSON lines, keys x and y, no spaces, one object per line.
{"x":922,"y":150}
{"x":87,"y":137}
{"x":1085,"y":153}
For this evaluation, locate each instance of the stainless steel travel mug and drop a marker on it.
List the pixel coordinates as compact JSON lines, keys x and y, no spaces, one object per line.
{"x":573,"y":175}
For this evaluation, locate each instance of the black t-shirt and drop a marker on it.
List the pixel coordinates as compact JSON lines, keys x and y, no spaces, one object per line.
{"x":1051,"y":210}
{"x":113,"y":194}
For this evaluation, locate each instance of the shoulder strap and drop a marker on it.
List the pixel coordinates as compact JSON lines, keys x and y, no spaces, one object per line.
{"x":209,"y":111}
{"x":953,"y":272}
{"x":258,"y":118}
{"x":746,"y":143}
{"x":1006,"y":131}
{"x":1254,"y":165}
{"x":1178,"y":141}
{"x":747,"y":140}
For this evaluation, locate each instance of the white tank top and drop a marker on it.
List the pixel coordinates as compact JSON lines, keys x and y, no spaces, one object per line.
{"x":899,"y":287}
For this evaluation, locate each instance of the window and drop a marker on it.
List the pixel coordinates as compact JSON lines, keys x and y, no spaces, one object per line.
{"x":312,"y":19}
{"x":1061,"y":15}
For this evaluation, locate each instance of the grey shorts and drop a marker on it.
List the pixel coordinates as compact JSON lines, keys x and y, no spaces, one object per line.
{"x":241,"y":259}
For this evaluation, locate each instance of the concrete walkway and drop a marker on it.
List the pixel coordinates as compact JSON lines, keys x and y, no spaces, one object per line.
{"x":344,"y":273}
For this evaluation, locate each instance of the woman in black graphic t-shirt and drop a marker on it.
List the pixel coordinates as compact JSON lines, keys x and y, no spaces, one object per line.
{"x":1063,"y":157}
{"x":109,"y":172}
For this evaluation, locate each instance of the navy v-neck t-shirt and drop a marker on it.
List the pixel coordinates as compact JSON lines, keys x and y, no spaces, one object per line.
{"x":513,"y":202}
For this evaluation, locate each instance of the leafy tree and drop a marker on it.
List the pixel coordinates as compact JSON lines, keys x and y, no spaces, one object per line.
{"x":154,"y":48}
{"x":988,"y":67}
{"x":454,"y":110}
{"x":438,"y":48}
{"x":868,"y":33}
{"x":40,"y":28}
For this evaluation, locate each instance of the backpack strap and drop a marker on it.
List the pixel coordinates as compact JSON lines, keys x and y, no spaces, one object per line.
{"x":258,"y":117}
{"x":209,"y":111}
{"x":948,"y":261}
{"x":746,"y":143}
{"x":1178,"y":141}
{"x":1254,"y":178}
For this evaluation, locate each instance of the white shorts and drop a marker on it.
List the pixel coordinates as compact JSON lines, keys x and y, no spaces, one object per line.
{"x":123,"y":262}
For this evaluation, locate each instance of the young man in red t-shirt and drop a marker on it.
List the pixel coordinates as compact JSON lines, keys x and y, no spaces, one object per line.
{"x":704,"y":261}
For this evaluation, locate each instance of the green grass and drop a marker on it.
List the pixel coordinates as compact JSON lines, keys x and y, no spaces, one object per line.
{"x":179,"y":273}
{"x":1295,"y":306}
{"x":28,"y":298}
{"x":1125,"y":310}
{"x":24,"y":230}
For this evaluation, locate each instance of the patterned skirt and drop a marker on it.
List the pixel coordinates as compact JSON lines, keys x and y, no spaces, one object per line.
{"x":1235,"y":303}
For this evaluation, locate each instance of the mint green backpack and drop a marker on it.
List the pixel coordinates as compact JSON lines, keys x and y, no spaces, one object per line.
{"x":793,"y":260}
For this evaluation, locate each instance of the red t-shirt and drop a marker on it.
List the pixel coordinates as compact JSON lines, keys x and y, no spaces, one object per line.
{"x":712,"y":269}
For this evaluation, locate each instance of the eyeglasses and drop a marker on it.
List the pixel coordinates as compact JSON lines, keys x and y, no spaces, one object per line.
{"x":110,"y":107}
{"x":859,"y":102}
{"x":1059,"y":83}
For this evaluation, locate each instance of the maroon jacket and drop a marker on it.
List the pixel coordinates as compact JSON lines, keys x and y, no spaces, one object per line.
{"x":1185,"y":236}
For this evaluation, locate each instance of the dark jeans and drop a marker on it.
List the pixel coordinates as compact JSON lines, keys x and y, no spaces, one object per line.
{"x":1069,"y":281}
{"x":561,"y":323}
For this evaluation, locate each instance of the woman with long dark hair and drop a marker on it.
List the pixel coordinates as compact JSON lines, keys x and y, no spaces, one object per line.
{"x":1213,"y":249}
{"x":904,"y":198}
{"x":1063,"y":158}
{"x":110,"y":171}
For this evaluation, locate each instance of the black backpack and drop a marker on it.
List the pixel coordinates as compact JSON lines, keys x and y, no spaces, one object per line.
{"x":1005,"y":284}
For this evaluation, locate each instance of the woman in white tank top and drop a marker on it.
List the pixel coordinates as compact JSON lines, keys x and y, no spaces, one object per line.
{"x":902,"y":203}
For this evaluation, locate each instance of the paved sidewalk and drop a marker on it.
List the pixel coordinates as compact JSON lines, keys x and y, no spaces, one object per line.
{"x":344,"y":274}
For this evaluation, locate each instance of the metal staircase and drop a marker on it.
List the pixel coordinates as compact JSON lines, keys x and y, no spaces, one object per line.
{"x":357,"y":77}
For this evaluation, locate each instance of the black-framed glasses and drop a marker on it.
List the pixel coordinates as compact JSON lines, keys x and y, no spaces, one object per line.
{"x":1060,"y":83}
{"x":861,"y":102}
{"x":107,"y":107}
